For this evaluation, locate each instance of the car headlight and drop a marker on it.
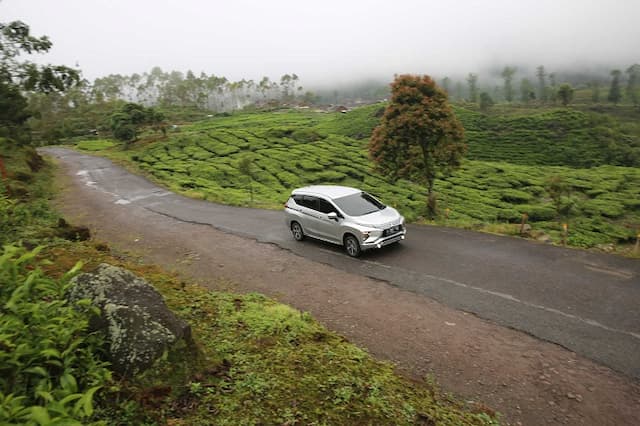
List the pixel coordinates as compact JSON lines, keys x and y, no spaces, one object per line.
{"x":373,"y":234}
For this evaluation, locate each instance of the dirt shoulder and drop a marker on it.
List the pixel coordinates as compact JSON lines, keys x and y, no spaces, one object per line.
{"x":530,"y":381}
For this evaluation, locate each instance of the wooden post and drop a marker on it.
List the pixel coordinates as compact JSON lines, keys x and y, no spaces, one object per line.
{"x":524,"y":221}
{"x":564,"y":234}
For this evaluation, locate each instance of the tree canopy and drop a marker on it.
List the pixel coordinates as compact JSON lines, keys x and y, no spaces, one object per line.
{"x":126,"y":122}
{"x":18,"y":76}
{"x":565,"y":92}
{"x":418,"y":135}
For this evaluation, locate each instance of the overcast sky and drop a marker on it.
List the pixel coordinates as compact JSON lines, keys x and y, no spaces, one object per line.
{"x":330,"y":40}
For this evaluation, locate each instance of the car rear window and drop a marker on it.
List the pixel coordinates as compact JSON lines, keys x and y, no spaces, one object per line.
{"x":359,"y":204}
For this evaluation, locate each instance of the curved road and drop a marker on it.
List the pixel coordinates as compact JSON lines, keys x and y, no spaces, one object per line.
{"x":586,"y":302}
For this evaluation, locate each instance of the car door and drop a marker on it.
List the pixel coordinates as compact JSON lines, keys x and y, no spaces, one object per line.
{"x":308,"y":207}
{"x":328,"y":229}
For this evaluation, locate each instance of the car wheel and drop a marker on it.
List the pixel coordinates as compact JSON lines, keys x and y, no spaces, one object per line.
{"x":297,"y":231}
{"x":352,"y":246}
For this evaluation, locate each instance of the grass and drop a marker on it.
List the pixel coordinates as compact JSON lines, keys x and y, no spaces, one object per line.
{"x":24,"y":210}
{"x":513,"y":154}
{"x":257,"y":361}
{"x":262,"y":362}
{"x":95,"y":145}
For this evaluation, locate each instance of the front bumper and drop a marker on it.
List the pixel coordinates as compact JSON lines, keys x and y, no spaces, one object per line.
{"x":383,"y":241}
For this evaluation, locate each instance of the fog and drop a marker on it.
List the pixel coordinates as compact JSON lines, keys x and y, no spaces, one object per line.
{"x":332,"y":42}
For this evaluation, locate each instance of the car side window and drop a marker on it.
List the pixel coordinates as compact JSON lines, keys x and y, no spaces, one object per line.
{"x":306,"y":201}
{"x":311,"y":202}
{"x":325,"y":206}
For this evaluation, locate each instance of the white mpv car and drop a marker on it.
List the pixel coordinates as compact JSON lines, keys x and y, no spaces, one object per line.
{"x":344,"y":216}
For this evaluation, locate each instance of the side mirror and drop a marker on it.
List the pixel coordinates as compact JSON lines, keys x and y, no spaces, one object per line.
{"x":333,"y":216}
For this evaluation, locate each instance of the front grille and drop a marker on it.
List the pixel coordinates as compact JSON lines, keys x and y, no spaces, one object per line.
{"x":392,"y":230}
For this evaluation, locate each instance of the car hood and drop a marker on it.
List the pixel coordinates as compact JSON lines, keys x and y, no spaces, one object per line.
{"x":382,"y":219}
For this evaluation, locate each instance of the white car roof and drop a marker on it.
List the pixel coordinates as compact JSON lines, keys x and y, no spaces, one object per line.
{"x":330,"y":191}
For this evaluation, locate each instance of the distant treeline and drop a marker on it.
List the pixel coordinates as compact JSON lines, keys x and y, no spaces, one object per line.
{"x":207,"y":92}
{"x":510,"y":85}
{"x":513,"y":84}
{"x":86,"y":106}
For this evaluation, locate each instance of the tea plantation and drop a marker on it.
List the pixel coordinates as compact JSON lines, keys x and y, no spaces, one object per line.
{"x":556,"y":165}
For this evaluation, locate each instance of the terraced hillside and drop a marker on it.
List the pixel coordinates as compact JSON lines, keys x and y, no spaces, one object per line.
{"x":290,"y":149}
{"x":556,"y":137}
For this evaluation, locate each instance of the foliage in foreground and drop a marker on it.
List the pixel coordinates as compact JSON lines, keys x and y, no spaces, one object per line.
{"x":49,"y":364}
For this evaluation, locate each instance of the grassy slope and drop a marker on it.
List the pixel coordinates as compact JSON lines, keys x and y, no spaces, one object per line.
{"x":24,"y":211}
{"x":512,"y":154}
{"x":260,"y":362}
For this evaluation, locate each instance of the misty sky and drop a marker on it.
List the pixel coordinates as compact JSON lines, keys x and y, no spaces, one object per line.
{"x":330,"y":40}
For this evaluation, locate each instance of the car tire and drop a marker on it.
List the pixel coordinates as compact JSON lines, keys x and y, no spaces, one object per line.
{"x":352,"y":246}
{"x":296,"y":230}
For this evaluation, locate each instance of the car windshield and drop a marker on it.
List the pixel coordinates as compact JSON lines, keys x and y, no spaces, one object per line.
{"x":359,"y":204}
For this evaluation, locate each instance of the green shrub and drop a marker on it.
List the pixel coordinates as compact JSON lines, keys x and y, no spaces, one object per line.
{"x":600,"y":207}
{"x":306,"y":135}
{"x":515,"y":196}
{"x":49,"y":370}
{"x":539,"y":213}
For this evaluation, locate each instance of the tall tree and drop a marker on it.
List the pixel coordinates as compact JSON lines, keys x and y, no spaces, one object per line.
{"x":633,"y":84}
{"x":595,"y":91}
{"x":485,"y":101}
{"x":446,"y":85}
{"x":19,"y":76}
{"x":459,"y":91}
{"x":526,"y":91}
{"x":126,"y":122}
{"x":542,"y":83}
{"x":553,"y":88}
{"x":565,"y":92}
{"x":472,"y":80}
{"x":614,"y":91}
{"x":507,"y":75}
{"x":418,"y":136}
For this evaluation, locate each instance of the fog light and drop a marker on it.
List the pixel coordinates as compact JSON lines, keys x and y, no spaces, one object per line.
{"x":379,"y":245}
{"x":402,"y":238}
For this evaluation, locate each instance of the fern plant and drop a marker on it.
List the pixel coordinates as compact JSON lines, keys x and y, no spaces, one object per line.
{"x":49,"y":365}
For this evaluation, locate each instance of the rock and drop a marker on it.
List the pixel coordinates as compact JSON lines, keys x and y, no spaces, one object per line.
{"x":544,"y":238}
{"x":71,"y":232}
{"x":139,"y":327}
{"x":607,"y":248}
{"x":34,"y":160}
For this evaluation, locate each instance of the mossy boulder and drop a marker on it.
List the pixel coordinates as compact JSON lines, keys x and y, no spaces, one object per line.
{"x":139,"y":326}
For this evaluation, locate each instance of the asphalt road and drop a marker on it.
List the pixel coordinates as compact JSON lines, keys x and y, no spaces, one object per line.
{"x":586,"y":302}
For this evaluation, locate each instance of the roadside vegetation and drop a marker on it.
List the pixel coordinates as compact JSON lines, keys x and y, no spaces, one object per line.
{"x":258,"y":361}
{"x":546,"y":166}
